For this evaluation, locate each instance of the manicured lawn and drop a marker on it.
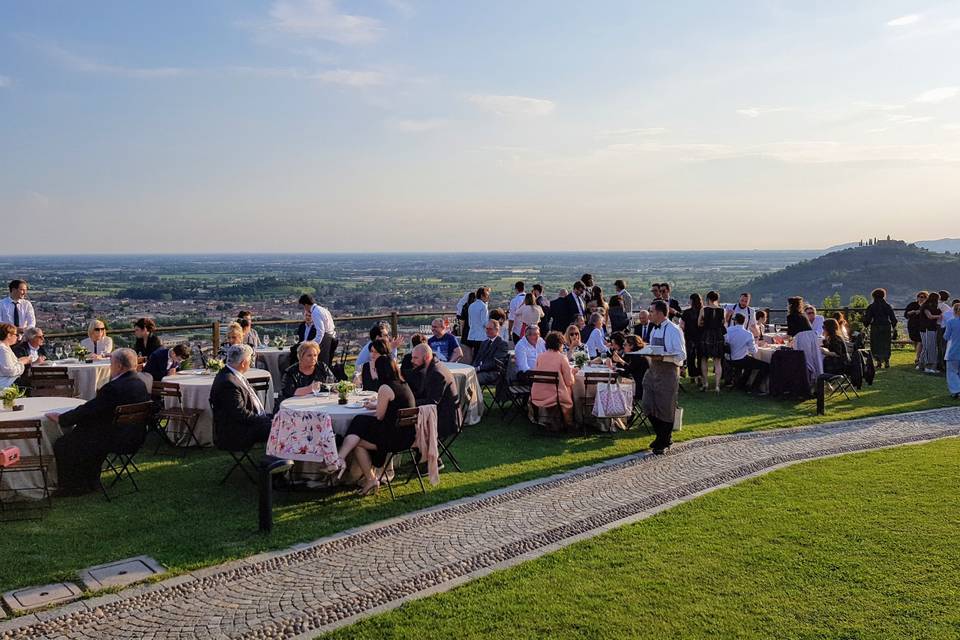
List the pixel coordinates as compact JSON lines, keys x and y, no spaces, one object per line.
{"x":861,"y":546}
{"x":186,"y":520}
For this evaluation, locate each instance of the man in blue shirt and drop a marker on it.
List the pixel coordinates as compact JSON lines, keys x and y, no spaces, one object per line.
{"x":444,"y":345}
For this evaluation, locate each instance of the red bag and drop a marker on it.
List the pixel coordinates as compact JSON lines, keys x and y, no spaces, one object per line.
{"x":9,"y":456}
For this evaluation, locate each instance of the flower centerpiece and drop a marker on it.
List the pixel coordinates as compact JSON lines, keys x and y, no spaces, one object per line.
{"x":10,"y":395}
{"x":80,"y":353}
{"x":279,"y":341}
{"x":343,"y":388}
{"x":214,"y":365}
{"x":580,"y":359}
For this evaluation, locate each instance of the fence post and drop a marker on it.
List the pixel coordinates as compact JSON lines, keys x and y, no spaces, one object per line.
{"x":394,"y":323}
{"x":215,"y":328}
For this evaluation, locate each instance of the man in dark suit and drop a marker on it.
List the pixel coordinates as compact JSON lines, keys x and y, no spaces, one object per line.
{"x":31,"y":345}
{"x":573,"y":305}
{"x":644,"y":326}
{"x":165,"y":362}
{"x":673,"y":305}
{"x":491,"y":354}
{"x":239,"y":419}
{"x":432,"y":383}
{"x":556,"y":306}
{"x":81,"y":452}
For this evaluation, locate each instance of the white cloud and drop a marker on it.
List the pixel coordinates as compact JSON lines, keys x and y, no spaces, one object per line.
{"x":402,"y":7}
{"x":512,"y":105}
{"x":321,"y":19}
{"x":417,"y":125}
{"x":83,"y":64}
{"x":903,"y":21}
{"x":351,"y":78}
{"x":646,"y":131}
{"x":5,"y":81}
{"x":755,"y":112}
{"x":938,"y":95}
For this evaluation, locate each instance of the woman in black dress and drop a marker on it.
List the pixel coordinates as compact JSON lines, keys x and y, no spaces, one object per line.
{"x":836,"y":359}
{"x":634,"y":366}
{"x":882,"y":321}
{"x":914,"y":315}
{"x":711,"y":341}
{"x":371,"y":438}
{"x":617,"y":315}
{"x":307,"y":375}
{"x":930,"y":322}
{"x":690,"y":325}
{"x":368,"y":373}
{"x":805,"y":339}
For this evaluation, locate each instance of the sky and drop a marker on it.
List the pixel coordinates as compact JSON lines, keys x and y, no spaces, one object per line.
{"x":438,"y":125}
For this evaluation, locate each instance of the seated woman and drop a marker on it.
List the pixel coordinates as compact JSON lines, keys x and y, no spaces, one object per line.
{"x":307,"y":375}
{"x":836,"y":359}
{"x":97,"y":342}
{"x":234,"y":336}
{"x":546,"y":395}
{"x":800,"y":328}
{"x":633,"y":366}
{"x":572,"y":341}
{"x":368,"y":373}
{"x":371,"y":438}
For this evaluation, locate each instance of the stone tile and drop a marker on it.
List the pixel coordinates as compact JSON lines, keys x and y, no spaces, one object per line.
{"x":120,"y":573}
{"x":31,"y":598}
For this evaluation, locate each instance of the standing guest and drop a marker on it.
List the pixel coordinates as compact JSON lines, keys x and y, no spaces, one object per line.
{"x":711,"y":341}
{"x":544,"y":305}
{"x":800,"y":328}
{"x":97,"y":341}
{"x":596,"y":302}
{"x":742,"y":308}
{"x":882,"y":322}
{"x":573,"y":340}
{"x":527,"y":351}
{"x":528,"y":314}
{"x":239,"y":418}
{"x":643,"y":326}
{"x":379,"y":330}
{"x":662,"y":380}
{"x":655,"y":292}
{"x":573,"y":305}
{"x":323,"y":321}
{"x":15,"y":309}
{"x":914,"y":315}
{"x":587,"y":280}
{"x":515,"y":304}
{"x":673,"y":304}
{"x":80,"y":453}
{"x":547,"y":395}
{"x":166,"y":362}
{"x":836,"y":359}
{"x":743,"y":348}
{"x":816,"y":320}
{"x":618,"y":316}
{"x":928,"y":332}
{"x":307,"y":375}
{"x":952,"y":334}
{"x":432,"y":383}
{"x":367,"y":376}
{"x":843,"y":328}
{"x":371,"y":438}
{"x":11,"y":366}
{"x":946,"y":313}
{"x":596,"y":337}
{"x":621,"y":288}
{"x":250,"y":337}
{"x":491,"y":354}
{"x":556,"y":308}
{"x":690,"y":325}
{"x":305,"y":332}
{"x":31,"y":345}
{"x":478,"y":314}
{"x":147,"y":341}
{"x":444,"y":346}
{"x":465,"y":317}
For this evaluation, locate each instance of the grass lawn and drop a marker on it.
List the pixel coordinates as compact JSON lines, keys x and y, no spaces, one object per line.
{"x":185,"y":519}
{"x":861,"y":546}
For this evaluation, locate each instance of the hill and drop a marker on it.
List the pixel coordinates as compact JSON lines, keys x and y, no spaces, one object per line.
{"x":900,"y":268}
{"x":939,"y":246}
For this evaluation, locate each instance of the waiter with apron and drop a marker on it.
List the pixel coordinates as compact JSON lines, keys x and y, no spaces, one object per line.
{"x":662,"y":381}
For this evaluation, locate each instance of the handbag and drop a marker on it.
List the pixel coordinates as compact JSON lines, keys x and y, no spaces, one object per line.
{"x":678,"y":419}
{"x":9,"y":456}
{"x":613,"y":400}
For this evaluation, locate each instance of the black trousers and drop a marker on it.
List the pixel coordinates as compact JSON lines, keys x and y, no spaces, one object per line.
{"x":664,"y":431}
{"x":80,"y":455}
{"x":326,"y":348}
{"x":744,"y":367}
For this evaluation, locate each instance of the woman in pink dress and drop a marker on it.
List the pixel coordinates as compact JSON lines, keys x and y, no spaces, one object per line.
{"x":547,"y":395}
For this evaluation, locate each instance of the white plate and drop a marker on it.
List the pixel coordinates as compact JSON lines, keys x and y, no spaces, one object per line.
{"x":354,"y":405}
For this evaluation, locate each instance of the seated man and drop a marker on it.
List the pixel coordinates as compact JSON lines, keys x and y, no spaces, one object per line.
{"x":444,"y":345}
{"x":406,"y":364}
{"x":239,"y":419}
{"x":432,"y":383}
{"x":527,"y":350}
{"x":81,"y":452}
{"x":491,"y":354}
{"x":379,"y":330}
{"x":742,"y":347}
{"x":596,"y":340}
{"x":32,"y":345}
{"x":166,"y":362}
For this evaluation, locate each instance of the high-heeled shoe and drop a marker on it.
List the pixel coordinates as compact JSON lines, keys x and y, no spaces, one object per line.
{"x":343,"y":469}
{"x":716,"y":390}
{"x":370,"y":489}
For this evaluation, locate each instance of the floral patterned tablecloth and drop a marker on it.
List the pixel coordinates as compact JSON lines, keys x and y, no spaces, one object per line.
{"x":305,"y":435}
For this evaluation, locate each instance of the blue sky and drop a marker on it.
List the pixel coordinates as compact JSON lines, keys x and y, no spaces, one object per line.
{"x":406,"y":125}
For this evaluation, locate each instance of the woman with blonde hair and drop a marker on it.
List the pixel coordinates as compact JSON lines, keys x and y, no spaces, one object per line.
{"x":97,"y":342}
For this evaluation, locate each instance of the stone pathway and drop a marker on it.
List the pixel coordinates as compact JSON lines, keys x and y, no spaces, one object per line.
{"x":302,"y":592}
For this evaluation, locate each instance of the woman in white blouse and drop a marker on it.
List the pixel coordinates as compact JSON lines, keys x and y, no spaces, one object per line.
{"x":11,"y":367}
{"x":98,"y":344}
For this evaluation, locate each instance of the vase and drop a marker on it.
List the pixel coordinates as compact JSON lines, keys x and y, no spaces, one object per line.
{"x":342,"y":400}
{"x":8,"y":404}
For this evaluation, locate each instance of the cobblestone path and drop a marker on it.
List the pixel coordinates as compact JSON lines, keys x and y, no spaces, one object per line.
{"x":302,"y":592}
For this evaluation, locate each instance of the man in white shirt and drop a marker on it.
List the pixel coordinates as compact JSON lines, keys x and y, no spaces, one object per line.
{"x":379,"y":330}
{"x":742,"y":308}
{"x":816,"y":321}
{"x":527,"y":350}
{"x":621,"y":288}
{"x":662,"y":380}
{"x":946,"y":314}
{"x":477,"y":316}
{"x":515,"y":304}
{"x":31,"y":346}
{"x":743,"y":346}
{"x":323,"y":321}
{"x":596,"y":342}
{"x":15,"y":309}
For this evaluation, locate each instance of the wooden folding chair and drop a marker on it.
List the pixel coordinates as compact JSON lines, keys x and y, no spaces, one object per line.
{"x":261,"y":387}
{"x":176,"y":416}
{"x":406,"y":418}
{"x":24,"y":430}
{"x":549,"y":378}
{"x":50,"y":382}
{"x":127,"y":417}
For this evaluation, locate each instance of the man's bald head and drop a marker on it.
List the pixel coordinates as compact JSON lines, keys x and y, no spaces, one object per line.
{"x":421,"y":355}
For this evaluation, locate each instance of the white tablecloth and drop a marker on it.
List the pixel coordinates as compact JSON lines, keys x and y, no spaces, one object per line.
{"x":275,"y":361}
{"x":87,"y":377}
{"x":471,"y":396}
{"x":34,"y":409}
{"x":195,"y":391}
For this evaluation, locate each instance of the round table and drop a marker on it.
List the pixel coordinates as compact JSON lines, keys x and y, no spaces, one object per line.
{"x":471,"y":395}
{"x":23,"y":484}
{"x":195,"y":394}
{"x":87,"y":377}
{"x":275,"y":361}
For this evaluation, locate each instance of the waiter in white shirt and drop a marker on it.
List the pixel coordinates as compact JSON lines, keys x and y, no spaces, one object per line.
{"x":515,"y":305}
{"x":527,"y":350}
{"x":323,"y":321}
{"x":15,"y":309}
{"x":662,"y":381}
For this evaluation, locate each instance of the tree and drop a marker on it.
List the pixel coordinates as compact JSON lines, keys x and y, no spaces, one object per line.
{"x":832,"y":302}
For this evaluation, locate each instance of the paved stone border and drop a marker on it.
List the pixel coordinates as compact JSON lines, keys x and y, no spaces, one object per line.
{"x":334,"y":581}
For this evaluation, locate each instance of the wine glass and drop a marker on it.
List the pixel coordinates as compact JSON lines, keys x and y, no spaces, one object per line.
{"x":265,"y":341}
{"x":59,"y":352}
